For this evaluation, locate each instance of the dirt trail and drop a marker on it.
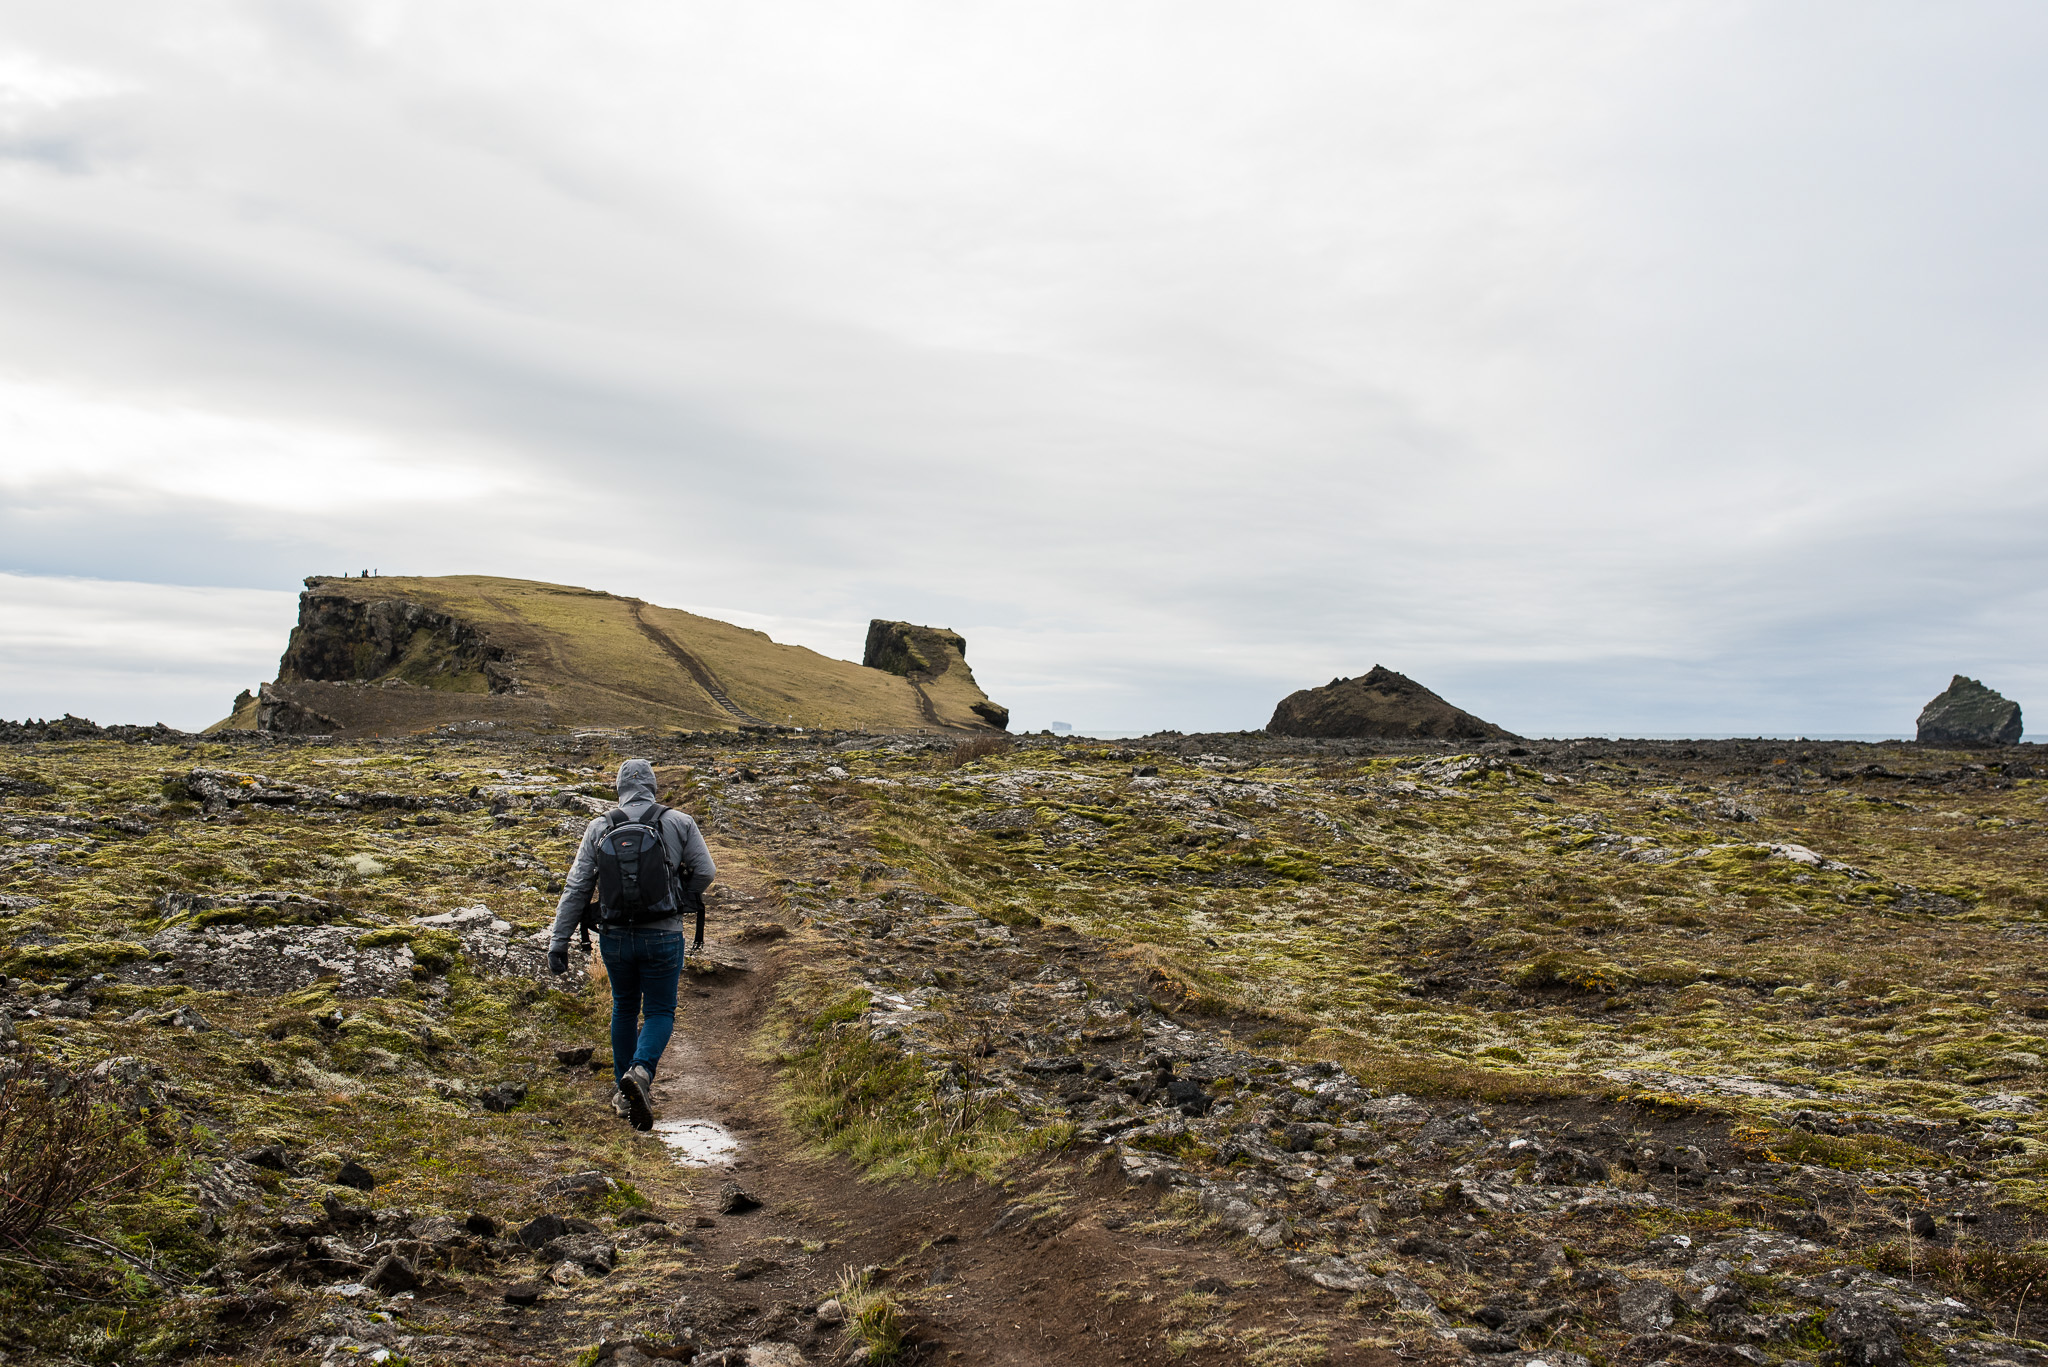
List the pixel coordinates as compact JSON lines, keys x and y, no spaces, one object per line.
{"x":983,"y":1285}
{"x":693,"y":666}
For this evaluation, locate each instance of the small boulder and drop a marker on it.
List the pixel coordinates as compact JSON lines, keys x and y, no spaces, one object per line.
{"x":573,"y":1056}
{"x":579,"y":1184}
{"x":1967,"y":713}
{"x":504,"y":1097}
{"x":591,"y":1252}
{"x":392,"y":1274}
{"x":354,"y":1174}
{"x":481,"y":1225}
{"x":541,"y":1230}
{"x":523,"y":1293}
{"x":733,"y":1199}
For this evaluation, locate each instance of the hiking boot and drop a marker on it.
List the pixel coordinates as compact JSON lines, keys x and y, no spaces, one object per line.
{"x":619,"y":1106}
{"x":638,"y":1088}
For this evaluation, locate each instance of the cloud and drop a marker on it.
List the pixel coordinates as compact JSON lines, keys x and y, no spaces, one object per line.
{"x":135,"y":652}
{"x":1607,"y":367}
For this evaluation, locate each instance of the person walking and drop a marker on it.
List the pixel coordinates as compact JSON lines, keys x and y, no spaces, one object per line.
{"x":645,"y":863}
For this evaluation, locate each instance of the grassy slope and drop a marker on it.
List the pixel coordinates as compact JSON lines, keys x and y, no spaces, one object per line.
{"x":582,"y":650}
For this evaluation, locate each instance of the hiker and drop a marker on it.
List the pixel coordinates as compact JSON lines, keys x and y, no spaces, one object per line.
{"x":638,"y":910}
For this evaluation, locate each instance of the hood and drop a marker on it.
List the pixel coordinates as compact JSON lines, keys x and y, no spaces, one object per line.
{"x":636,"y":787}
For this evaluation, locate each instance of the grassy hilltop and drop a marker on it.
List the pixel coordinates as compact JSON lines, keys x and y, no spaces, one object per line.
{"x":389,"y":655}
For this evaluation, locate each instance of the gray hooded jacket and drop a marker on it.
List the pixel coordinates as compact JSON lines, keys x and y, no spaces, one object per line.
{"x":680,"y":840}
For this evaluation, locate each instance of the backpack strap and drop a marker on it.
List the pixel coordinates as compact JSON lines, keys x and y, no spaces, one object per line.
{"x":683,"y":873}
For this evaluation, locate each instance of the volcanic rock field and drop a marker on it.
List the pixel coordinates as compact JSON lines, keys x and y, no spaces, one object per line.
{"x":1202,"y":1049}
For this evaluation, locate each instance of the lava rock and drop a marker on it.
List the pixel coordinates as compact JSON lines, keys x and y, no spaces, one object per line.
{"x":1968,"y":713}
{"x":541,"y":1230}
{"x":344,"y":1215}
{"x":392,"y":1274}
{"x":1380,"y":703}
{"x":1865,"y":1333}
{"x":273,"y":1156}
{"x":481,"y":1225}
{"x":1570,"y":1167}
{"x":523,"y":1293}
{"x":734,"y":1200}
{"x":1647,"y":1307}
{"x":354,"y":1174}
{"x":590,"y":1184}
{"x":503,"y":1097}
{"x":591,"y":1252}
{"x":574,"y":1056}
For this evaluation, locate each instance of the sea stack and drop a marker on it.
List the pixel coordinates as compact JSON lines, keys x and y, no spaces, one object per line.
{"x":1968,"y":713}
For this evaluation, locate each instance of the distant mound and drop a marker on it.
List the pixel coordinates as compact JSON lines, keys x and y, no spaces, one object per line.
{"x":386,"y":656}
{"x":1381,"y":703}
{"x":1968,"y":713}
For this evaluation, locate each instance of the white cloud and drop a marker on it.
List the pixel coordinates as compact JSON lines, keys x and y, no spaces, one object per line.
{"x":1677,"y":360}
{"x":135,"y":652}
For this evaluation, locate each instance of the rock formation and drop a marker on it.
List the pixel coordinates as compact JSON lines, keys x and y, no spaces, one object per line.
{"x":389,"y":656}
{"x":1968,"y":713}
{"x":935,"y":661}
{"x":1381,"y":703}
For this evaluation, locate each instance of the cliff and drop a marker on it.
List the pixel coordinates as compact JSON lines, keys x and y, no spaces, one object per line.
{"x":388,"y":656}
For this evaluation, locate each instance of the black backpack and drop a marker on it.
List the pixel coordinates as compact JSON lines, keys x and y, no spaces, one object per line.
{"x":634,"y":883}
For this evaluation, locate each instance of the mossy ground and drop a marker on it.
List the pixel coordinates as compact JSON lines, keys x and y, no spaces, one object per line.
{"x":1495,"y":924}
{"x":1559,"y":925}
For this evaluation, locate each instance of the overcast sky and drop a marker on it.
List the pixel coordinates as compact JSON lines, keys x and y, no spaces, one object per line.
{"x":1611,"y":368}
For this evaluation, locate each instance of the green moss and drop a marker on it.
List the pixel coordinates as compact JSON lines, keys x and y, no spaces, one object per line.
{"x":77,"y":957}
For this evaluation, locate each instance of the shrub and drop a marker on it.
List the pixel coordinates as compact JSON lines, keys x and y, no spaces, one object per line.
{"x":62,"y":1156}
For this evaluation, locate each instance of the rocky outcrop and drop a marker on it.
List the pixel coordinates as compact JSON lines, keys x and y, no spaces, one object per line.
{"x":341,"y":637}
{"x":1968,"y":713}
{"x":1381,"y":704}
{"x":910,"y":650}
{"x":935,"y":661}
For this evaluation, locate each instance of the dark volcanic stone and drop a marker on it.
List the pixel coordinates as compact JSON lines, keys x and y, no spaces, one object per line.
{"x":1968,"y":713}
{"x":734,"y":1200}
{"x":504,"y":1096}
{"x":522,"y":1293}
{"x":354,"y":1174}
{"x":481,"y":1225}
{"x":542,"y":1230}
{"x":1381,"y":703}
{"x":574,"y":1057}
{"x":272,"y":1156}
{"x":392,"y":1274}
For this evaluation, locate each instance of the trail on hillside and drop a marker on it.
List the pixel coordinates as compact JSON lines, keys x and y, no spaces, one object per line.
{"x":695,"y":667}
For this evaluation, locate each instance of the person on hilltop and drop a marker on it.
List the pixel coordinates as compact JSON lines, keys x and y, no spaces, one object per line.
{"x":645,"y":863}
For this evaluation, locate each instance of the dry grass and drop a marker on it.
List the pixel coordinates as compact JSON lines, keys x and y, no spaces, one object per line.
{"x":62,"y":1157}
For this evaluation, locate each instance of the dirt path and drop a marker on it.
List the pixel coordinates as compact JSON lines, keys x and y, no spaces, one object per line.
{"x":985,"y":1278}
{"x":693,"y":666}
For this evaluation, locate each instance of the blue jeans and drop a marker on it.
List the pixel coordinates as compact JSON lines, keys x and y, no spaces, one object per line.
{"x":643,"y":966}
